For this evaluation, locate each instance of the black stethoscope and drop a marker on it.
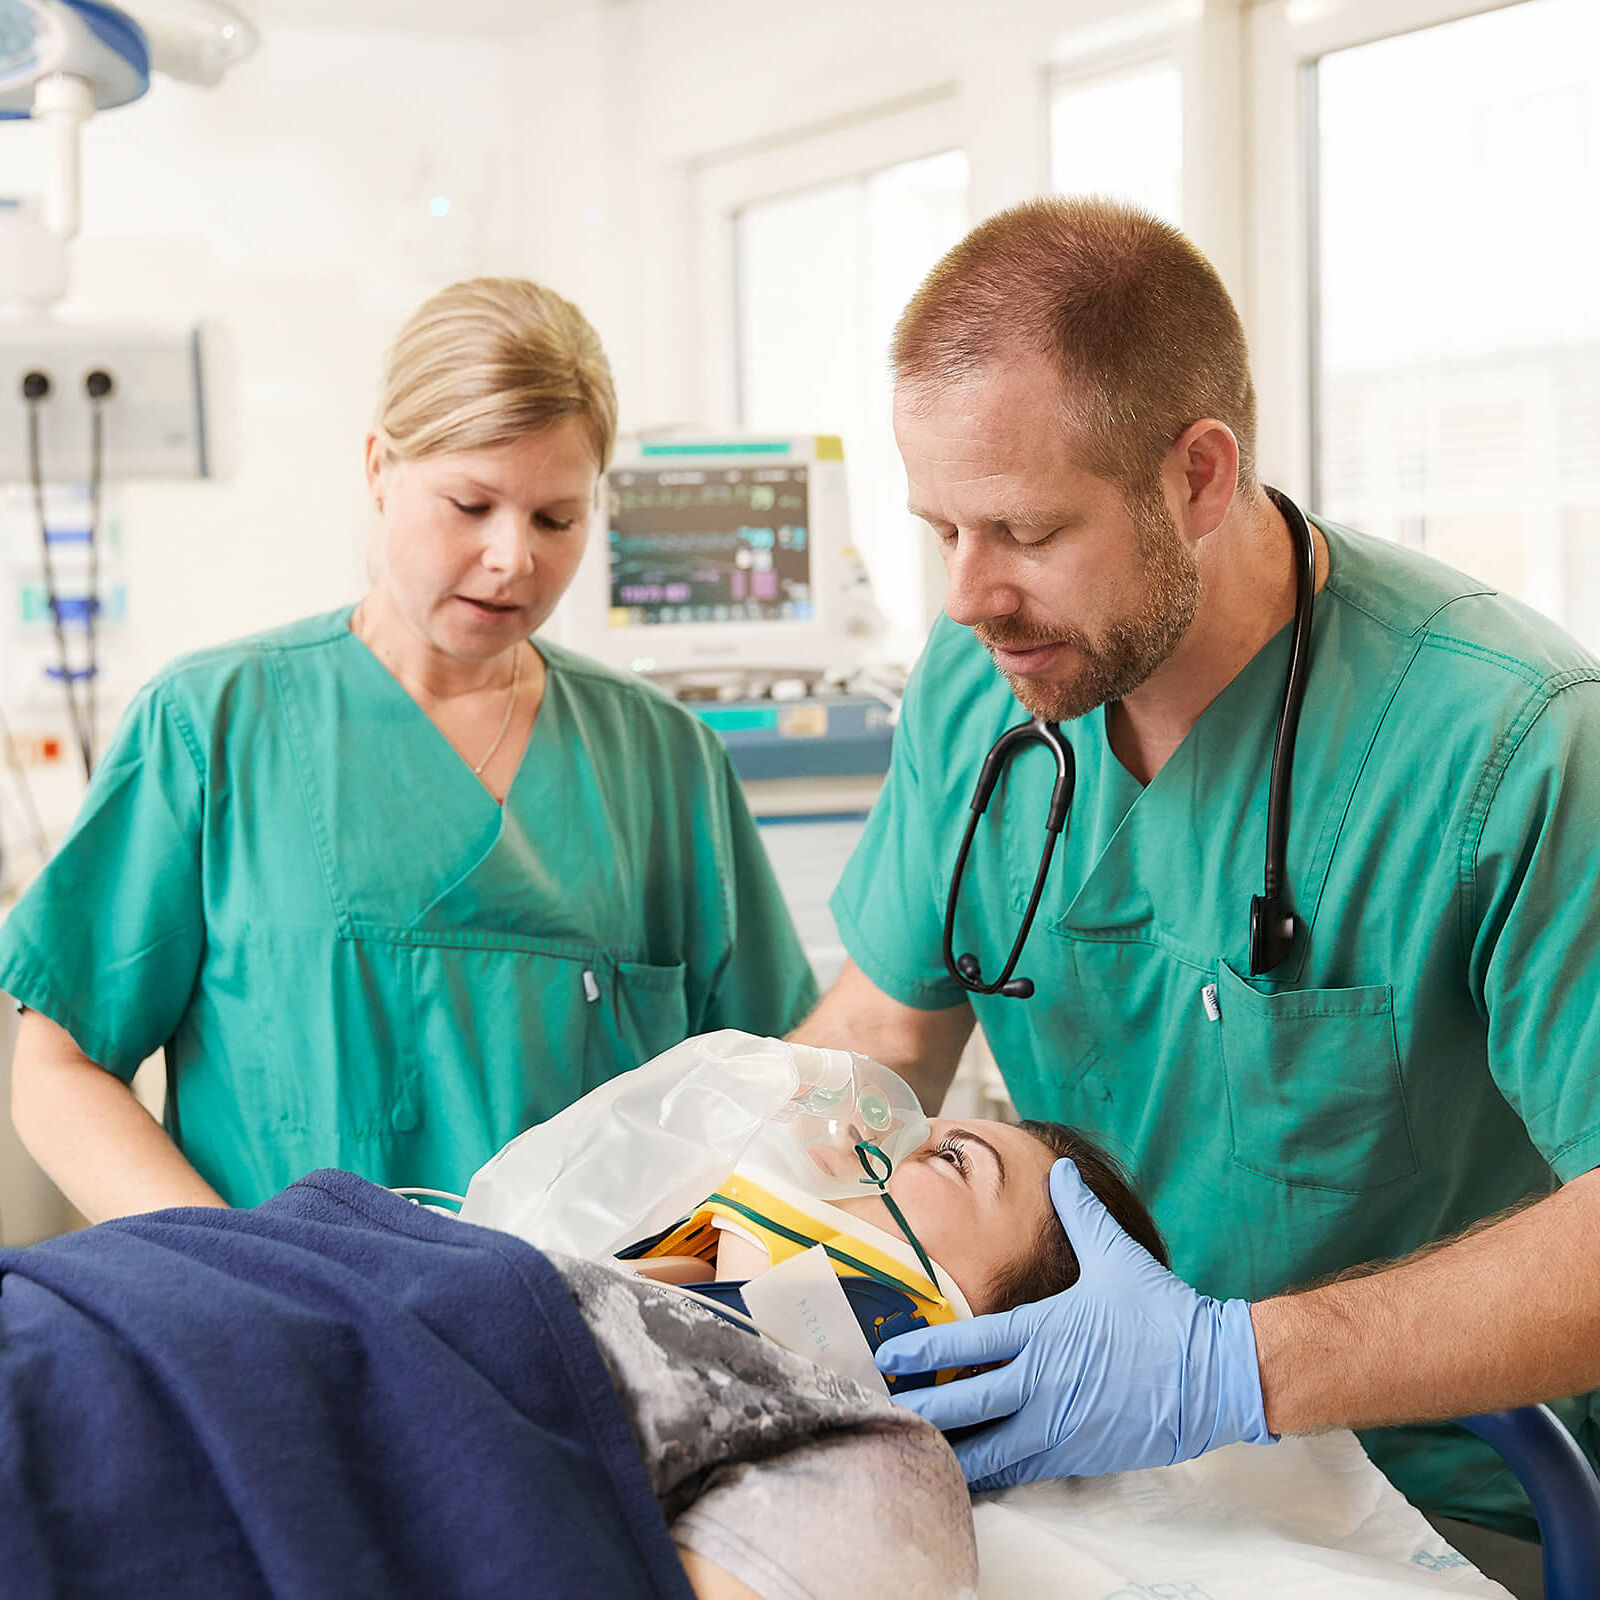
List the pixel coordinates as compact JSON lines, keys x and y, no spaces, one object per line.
{"x":1272,"y":921}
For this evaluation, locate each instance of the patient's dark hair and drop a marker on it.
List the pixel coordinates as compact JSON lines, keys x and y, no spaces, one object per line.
{"x":1052,"y":1265}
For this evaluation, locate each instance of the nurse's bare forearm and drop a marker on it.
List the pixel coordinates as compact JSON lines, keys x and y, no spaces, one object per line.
{"x":922,"y":1046}
{"x":96,"y":1143}
{"x":1506,"y":1315}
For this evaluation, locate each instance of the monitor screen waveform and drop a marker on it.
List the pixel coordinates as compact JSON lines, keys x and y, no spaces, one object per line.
{"x":711,"y":545}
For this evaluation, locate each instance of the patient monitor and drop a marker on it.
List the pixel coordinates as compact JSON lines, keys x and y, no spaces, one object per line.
{"x":724,"y":558}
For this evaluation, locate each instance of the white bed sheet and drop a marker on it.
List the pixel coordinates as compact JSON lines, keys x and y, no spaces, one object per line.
{"x":1307,"y":1519}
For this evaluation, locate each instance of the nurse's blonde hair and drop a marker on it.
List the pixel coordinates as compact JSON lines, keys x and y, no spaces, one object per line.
{"x":489,"y":361}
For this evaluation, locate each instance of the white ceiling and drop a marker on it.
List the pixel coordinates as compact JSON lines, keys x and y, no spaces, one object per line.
{"x":509,"y":17}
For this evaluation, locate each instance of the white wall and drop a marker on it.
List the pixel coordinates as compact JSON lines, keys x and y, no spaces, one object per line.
{"x":290,"y":204}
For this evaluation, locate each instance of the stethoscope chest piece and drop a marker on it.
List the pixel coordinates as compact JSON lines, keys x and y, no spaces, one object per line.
{"x":1272,"y":931}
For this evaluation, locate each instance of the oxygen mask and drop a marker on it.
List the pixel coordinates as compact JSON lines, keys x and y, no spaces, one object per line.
{"x":845,"y":1129}
{"x":850,"y":1120}
{"x":640,"y":1152}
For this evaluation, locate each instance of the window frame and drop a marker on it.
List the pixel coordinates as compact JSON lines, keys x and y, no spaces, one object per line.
{"x":1107,"y":66}
{"x":1286,"y":40}
{"x":724,"y":184}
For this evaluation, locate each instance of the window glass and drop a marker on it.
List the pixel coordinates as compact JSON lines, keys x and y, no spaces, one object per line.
{"x":821,"y":278}
{"x":1458,"y":330}
{"x":1121,"y":135}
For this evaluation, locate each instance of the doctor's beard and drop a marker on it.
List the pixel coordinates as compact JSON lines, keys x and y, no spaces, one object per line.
{"x":1132,"y":647}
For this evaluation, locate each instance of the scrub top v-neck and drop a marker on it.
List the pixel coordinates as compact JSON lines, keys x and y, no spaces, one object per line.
{"x":1407,"y":1069}
{"x":354,"y":956}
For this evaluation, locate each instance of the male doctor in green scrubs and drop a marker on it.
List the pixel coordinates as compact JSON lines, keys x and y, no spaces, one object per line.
{"x":1074,"y":406}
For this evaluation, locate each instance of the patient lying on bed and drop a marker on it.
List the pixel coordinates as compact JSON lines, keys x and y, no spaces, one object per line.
{"x":341,"y":1392}
{"x":754,"y":1452}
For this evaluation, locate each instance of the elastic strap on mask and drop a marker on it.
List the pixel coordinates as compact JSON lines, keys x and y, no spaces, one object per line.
{"x":871,"y":1159}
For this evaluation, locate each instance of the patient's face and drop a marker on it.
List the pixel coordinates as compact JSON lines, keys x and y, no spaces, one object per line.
{"x":977,"y":1195}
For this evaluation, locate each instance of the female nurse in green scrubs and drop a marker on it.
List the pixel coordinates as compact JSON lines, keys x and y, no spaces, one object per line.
{"x":391,"y":884}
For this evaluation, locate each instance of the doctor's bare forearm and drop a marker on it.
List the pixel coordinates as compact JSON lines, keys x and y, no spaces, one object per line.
{"x":93,"y":1139}
{"x":1506,"y":1315}
{"x":922,"y":1046}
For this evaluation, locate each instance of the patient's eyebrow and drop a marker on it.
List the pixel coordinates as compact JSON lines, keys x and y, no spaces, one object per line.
{"x":978,"y":1138}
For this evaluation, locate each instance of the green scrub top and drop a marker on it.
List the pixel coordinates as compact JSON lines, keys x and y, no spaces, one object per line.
{"x":1427,"y":1053}
{"x":285,"y":875}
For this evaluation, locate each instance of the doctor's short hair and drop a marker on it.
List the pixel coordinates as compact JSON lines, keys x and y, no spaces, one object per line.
{"x":487,"y":362}
{"x":1052,"y":1265}
{"x":1135,"y":319}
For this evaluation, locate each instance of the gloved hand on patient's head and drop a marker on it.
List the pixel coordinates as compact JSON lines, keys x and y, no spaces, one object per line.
{"x":1128,"y":1368}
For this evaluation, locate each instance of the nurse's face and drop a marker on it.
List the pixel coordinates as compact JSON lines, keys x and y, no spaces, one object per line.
{"x":1079,"y":596}
{"x":479,"y":545}
{"x":977,"y":1196}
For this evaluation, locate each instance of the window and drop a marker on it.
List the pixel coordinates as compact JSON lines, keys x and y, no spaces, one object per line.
{"x":820,"y":278}
{"x":1456,"y":363}
{"x":1120,"y":134}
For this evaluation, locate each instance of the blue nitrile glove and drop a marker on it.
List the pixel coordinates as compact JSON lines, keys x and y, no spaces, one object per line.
{"x":1127,"y":1368}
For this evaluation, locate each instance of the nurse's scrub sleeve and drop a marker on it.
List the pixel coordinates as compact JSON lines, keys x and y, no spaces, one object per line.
{"x":107,"y":943}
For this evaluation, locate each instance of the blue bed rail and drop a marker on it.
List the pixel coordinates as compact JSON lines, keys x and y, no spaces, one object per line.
{"x":1562,"y":1486}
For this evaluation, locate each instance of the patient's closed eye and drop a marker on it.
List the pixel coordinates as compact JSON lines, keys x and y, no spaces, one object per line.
{"x":951,"y":1150}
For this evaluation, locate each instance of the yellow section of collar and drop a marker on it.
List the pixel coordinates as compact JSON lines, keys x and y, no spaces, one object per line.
{"x":785,"y":1228}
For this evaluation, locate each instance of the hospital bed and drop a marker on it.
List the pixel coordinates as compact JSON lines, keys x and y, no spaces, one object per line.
{"x":1308,"y":1519}
{"x":1563,"y":1489}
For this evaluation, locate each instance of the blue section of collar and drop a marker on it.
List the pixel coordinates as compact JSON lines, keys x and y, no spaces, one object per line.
{"x":882,"y":1313}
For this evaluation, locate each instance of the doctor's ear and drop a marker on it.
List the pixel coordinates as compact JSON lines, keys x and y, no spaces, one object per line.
{"x":1201,"y":475}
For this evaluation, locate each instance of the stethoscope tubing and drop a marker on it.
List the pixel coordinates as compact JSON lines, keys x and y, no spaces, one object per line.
{"x":965,"y":969}
{"x":1281,"y":781}
{"x":1278,"y":923}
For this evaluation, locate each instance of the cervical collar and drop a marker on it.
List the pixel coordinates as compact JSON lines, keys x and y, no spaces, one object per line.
{"x":883,"y":1281}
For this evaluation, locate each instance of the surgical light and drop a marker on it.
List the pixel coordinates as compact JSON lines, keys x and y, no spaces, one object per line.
{"x":63,"y":60}
{"x":43,"y":39}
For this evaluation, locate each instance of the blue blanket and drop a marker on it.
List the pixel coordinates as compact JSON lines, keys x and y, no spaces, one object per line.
{"x":335,"y":1394}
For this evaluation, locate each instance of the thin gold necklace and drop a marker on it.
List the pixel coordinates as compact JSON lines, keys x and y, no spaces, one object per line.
{"x":358,"y":624}
{"x":505,"y":721}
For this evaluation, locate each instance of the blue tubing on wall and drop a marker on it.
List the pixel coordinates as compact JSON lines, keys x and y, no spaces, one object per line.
{"x":1564,"y":1491}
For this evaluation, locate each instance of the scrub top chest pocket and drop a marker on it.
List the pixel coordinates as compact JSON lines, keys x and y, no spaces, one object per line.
{"x":542,"y":1025}
{"x":637,"y":1011}
{"x":1314,"y":1088}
